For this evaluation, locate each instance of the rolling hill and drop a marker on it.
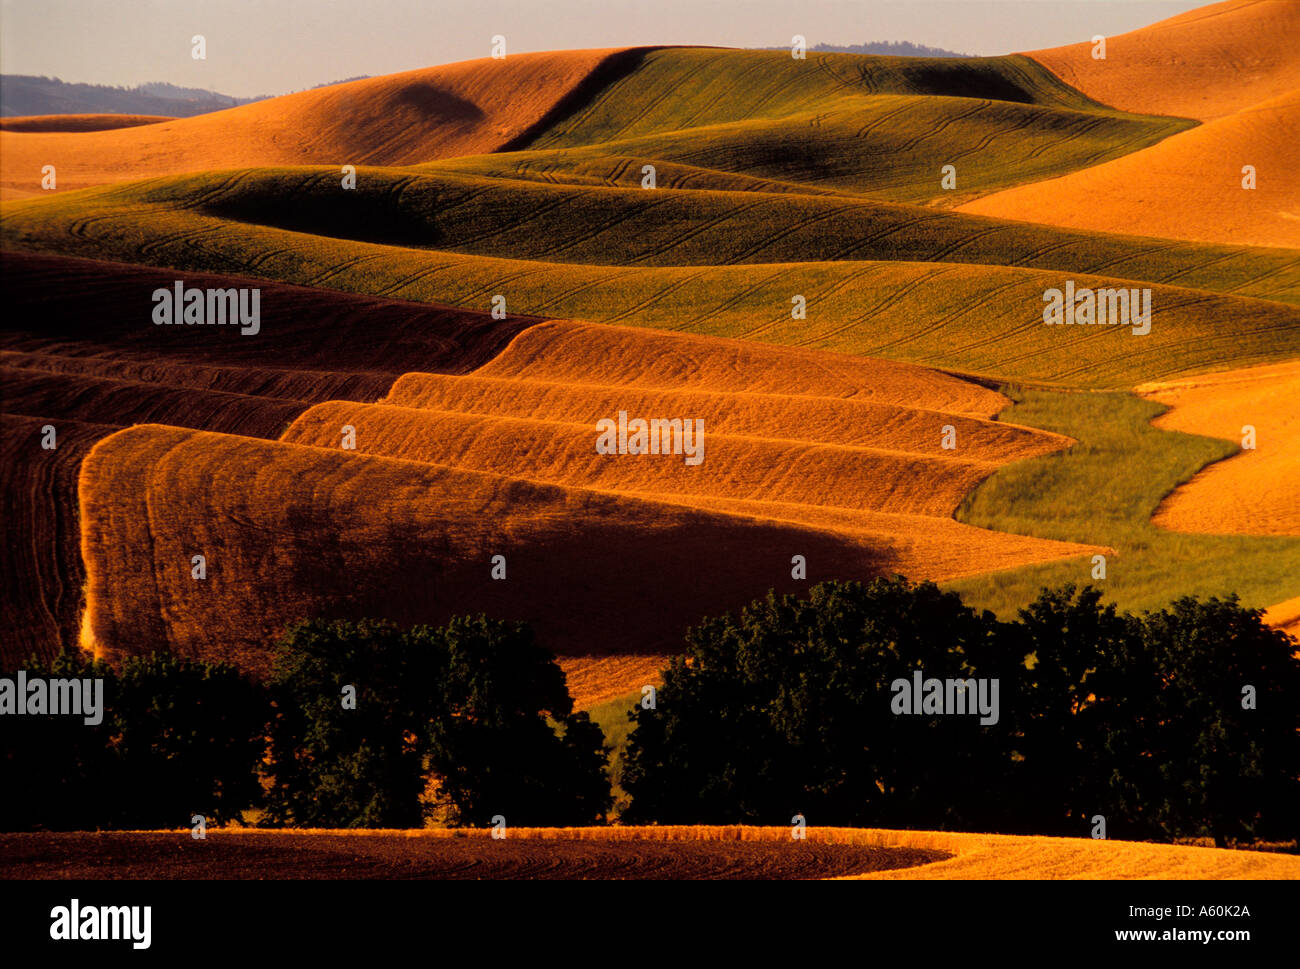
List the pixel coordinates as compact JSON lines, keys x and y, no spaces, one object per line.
{"x":471,"y":107}
{"x":405,"y":525}
{"x":1189,"y":186}
{"x":79,"y":354}
{"x":980,"y":319}
{"x":1207,"y":63}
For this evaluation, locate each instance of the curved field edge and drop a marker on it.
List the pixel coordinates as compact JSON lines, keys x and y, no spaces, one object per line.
{"x":1104,"y":491}
{"x":1255,"y":490}
{"x":974,"y":856}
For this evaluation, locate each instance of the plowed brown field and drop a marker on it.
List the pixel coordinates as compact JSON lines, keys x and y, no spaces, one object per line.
{"x":387,"y":854}
{"x":1181,"y":66}
{"x":617,"y":853}
{"x":467,"y":108}
{"x":1254,"y":492}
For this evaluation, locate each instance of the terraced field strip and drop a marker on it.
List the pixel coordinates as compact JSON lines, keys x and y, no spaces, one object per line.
{"x":426,"y":497}
{"x":319,"y":532}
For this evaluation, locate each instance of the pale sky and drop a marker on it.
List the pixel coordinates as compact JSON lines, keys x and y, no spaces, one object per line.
{"x":275,"y":46}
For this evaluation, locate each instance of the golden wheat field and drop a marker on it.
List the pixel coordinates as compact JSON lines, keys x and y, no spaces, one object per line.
{"x":1256,"y":491}
{"x":1144,"y":190}
{"x":1176,"y":66}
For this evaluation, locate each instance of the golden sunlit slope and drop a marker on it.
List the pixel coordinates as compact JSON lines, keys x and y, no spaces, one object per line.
{"x":1254,"y":492}
{"x":291,"y":532}
{"x":586,"y":353}
{"x":455,"y":109}
{"x":1189,"y":186}
{"x":828,"y":420}
{"x":405,"y":524}
{"x":1207,"y":63}
{"x":1285,"y":616}
{"x":79,"y":355}
{"x":847,"y":444}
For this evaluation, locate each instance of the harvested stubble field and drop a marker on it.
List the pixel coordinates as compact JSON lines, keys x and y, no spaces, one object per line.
{"x":701,"y":852}
{"x":1176,"y":66}
{"x":1186,"y":187}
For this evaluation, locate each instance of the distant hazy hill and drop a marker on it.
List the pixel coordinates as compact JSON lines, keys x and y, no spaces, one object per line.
{"x":891,"y":48}
{"x":27,"y":94}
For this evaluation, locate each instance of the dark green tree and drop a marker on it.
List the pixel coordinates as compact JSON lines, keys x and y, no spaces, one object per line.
{"x":188,"y":738}
{"x":475,"y":706}
{"x":787,"y":709}
{"x":54,"y":770}
{"x":1223,"y":768}
{"x":352,"y":701}
{"x":509,"y":743}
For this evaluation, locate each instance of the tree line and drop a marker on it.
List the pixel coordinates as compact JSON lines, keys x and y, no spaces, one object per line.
{"x":1177,"y":723}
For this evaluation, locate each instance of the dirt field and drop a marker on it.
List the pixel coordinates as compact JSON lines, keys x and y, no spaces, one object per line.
{"x":397,"y":855}
{"x":662,"y":852}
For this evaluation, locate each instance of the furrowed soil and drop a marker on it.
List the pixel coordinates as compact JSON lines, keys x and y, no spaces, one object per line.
{"x":620,"y":852}
{"x":402,"y":856}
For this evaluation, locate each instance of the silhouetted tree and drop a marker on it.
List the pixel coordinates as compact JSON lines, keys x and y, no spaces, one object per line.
{"x":788,"y":709}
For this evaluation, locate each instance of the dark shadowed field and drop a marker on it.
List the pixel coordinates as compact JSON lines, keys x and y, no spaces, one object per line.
{"x":140,"y":855}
